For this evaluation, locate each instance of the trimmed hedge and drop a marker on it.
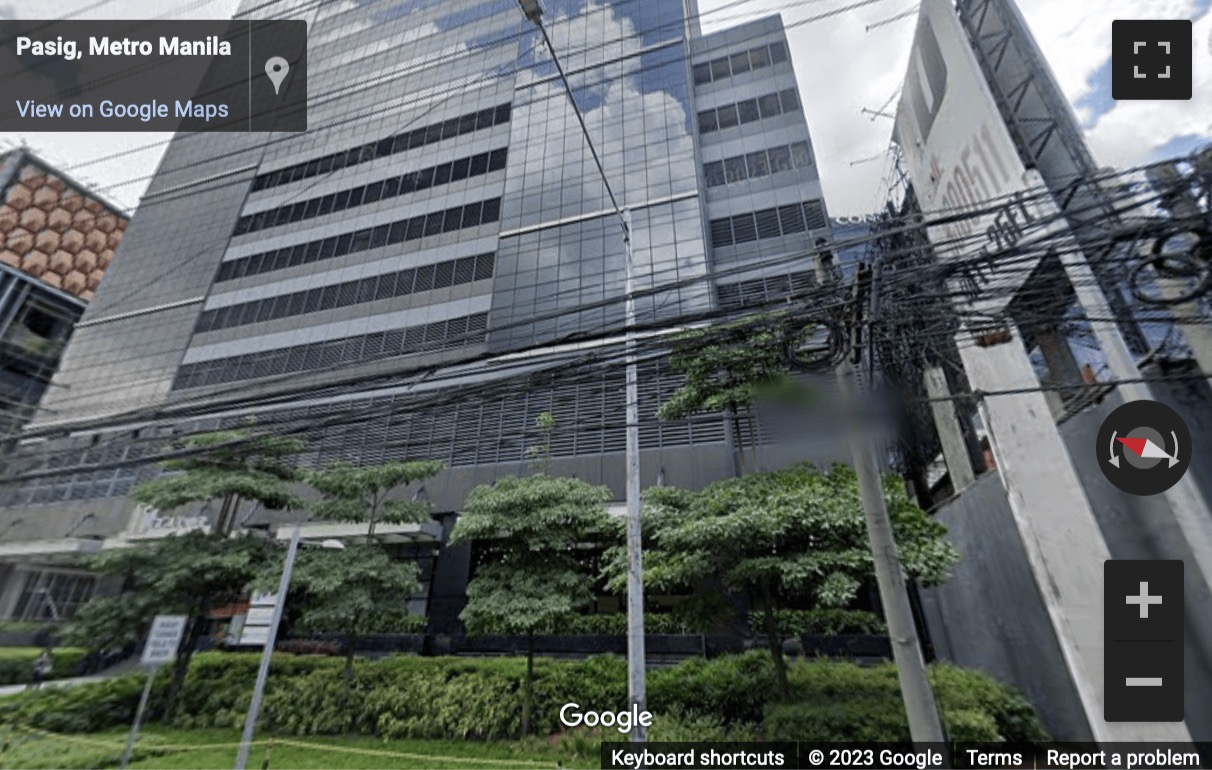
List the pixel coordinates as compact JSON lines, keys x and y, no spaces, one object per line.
{"x":827,"y":621}
{"x":480,"y":698}
{"x":17,"y":663}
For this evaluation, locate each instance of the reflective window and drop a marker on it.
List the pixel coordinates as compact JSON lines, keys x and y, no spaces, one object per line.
{"x":748,"y":111}
{"x":739,"y":63}
{"x":768,"y":223}
{"x":758,"y":164}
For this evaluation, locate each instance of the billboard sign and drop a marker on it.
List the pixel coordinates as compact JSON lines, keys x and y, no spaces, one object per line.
{"x":963,"y":163}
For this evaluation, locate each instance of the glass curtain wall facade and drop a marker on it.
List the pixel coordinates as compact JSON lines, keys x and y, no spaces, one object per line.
{"x":443,"y":206}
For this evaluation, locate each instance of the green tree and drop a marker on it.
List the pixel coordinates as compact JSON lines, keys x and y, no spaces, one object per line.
{"x":229,"y":465}
{"x":529,"y":577}
{"x":189,"y":574}
{"x":359,"y":590}
{"x":360,"y":494}
{"x":729,"y":369}
{"x":781,"y":538}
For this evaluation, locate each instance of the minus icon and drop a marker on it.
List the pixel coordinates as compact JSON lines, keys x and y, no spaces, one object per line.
{"x":1143,"y":681}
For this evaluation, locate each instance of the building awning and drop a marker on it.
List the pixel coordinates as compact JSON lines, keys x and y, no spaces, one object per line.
{"x":44,"y":550}
{"x":427,"y":532}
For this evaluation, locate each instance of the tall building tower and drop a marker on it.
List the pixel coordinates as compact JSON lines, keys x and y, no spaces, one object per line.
{"x":378,"y":282}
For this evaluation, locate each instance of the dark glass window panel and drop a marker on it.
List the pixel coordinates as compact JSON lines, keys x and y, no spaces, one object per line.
{"x":391,"y":187}
{"x":768,"y":223}
{"x":707,"y":122}
{"x":478,"y":165}
{"x":734,"y":169}
{"x":296,"y":255}
{"x":719,"y":68}
{"x":258,"y":219}
{"x":326,"y":204}
{"x":467,"y":124}
{"x":399,"y":143}
{"x":458,"y":169}
{"x":368,"y":152}
{"x":297,"y":211}
{"x":341,"y":201}
{"x":433,"y":223}
{"x":281,"y":304}
{"x":759,"y":57}
{"x":441,"y":174}
{"x":384,"y":148}
{"x":393,"y":342}
{"x":296,"y":303}
{"x":492,"y":211}
{"x":396,"y":235}
{"x":374,"y":191}
{"x":424,"y":178}
{"x":780,"y":159}
{"x":312,"y":209}
{"x":757,"y":164}
{"x":379,"y":236}
{"x":452,"y":220}
{"x":351,"y":350}
{"x":714,"y":173}
{"x":296,"y":358}
{"x":408,"y":183}
{"x":414,"y":338}
{"x":361,"y":240}
{"x":484,"y":119}
{"x":260,"y":182}
{"x":225,"y":271}
{"x":367,"y":288}
{"x":484,"y":266}
{"x":254,"y":263}
{"x":373,"y":345}
{"x":739,"y":62}
{"x":496,"y":161}
{"x":239,"y":268}
{"x":416,"y":226}
{"x":729,"y":296}
{"x":721,"y":232}
{"x":207,"y":320}
{"x":464,"y":270}
{"x":791,"y":218}
{"x":801,"y":155}
{"x":347,"y":293}
{"x":702,"y":73}
{"x":424,"y":279}
{"x":387,"y":286}
{"x":789,"y":101}
{"x":417,"y":138}
{"x":281,"y":259}
{"x":433,"y":133}
{"x":778,"y":53}
{"x":306,"y":253}
{"x":435,"y":333}
{"x":312,"y":300}
{"x":264,"y":309}
{"x":344,"y":242}
{"x":338,"y":161}
{"x":312,"y":169}
{"x":743,"y":228}
{"x":443,"y":275}
{"x":748,"y":110}
{"x":727,"y":116}
{"x":353,"y":157}
{"x":769,"y":105}
{"x":404,"y":285}
{"x":503,"y":113}
{"x":456,"y":327}
{"x":450,"y":128}
{"x":328,"y":247}
{"x":471,"y":215}
{"x":814,"y":215}
{"x":355,"y":196}
{"x":242,"y":225}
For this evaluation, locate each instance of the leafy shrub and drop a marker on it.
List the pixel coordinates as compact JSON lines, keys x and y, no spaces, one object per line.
{"x":615,"y":624}
{"x":677,"y":726}
{"x":734,"y":687}
{"x":824,"y":621}
{"x":81,"y":709}
{"x":17,"y":663}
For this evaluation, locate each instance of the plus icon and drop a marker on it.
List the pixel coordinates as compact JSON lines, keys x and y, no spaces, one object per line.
{"x":1144,"y":600}
{"x":1151,"y":59}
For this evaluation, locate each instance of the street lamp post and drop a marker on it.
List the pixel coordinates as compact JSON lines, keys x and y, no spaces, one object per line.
{"x":254,"y":707}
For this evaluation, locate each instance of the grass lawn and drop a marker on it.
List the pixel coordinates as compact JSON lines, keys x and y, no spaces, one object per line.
{"x":196,"y":749}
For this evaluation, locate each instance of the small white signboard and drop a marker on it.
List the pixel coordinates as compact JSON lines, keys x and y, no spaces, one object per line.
{"x":163,"y":639}
{"x":255,"y":632}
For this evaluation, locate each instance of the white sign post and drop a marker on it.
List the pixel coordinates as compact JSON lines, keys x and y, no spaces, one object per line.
{"x":162,"y":643}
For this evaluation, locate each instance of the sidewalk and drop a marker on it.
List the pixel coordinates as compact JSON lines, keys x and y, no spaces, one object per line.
{"x":125,"y":667}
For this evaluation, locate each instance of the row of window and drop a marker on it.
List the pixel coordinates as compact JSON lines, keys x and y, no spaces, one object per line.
{"x":768,"y":223}
{"x":407,"y":229}
{"x":406,"y":140}
{"x":375,"y":287}
{"x":761,"y":291}
{"x":739,"y":63}
{"x":757,"y":164}
{"x":748,"y":111}
{"x":434,"y":176}
{"x":439,"y":335}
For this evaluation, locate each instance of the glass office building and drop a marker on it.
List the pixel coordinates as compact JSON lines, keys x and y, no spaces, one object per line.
{"x":380,"y":281}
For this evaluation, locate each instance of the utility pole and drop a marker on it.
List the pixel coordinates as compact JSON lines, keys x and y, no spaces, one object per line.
{"x":636,"y":659}
{"x":924,"y":723}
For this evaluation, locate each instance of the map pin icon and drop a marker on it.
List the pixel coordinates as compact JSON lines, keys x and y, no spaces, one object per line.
{"x":277,"y":68}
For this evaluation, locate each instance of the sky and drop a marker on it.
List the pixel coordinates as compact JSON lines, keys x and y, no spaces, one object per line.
{"x":845,"y":63}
